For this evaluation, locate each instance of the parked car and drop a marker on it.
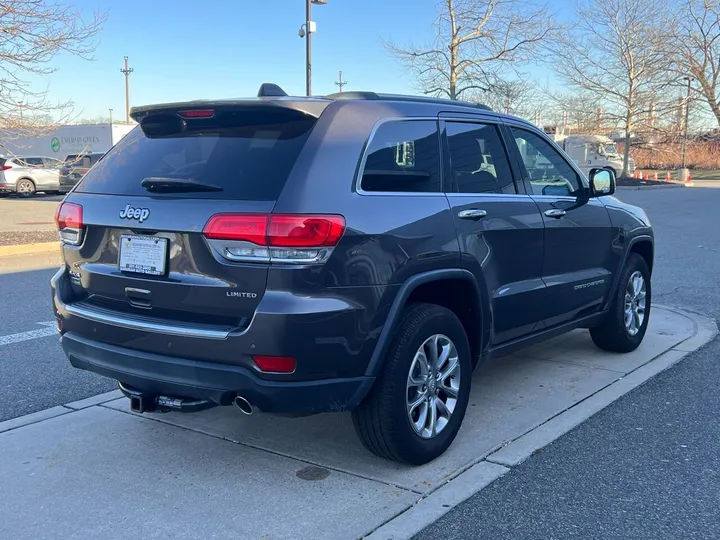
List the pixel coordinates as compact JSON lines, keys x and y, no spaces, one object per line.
{"x":26,"y":175}
{"x":343,"y":253}
{"x":75,"y":167}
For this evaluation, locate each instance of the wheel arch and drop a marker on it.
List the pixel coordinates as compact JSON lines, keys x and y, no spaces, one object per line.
{"x":454,"y":288}
{"x":642,"y":245}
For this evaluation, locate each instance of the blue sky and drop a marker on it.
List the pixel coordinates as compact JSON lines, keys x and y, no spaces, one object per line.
{"x":186,"y":49}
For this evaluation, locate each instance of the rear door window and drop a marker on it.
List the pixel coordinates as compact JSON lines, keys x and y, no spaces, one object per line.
{"x":403,"y":156}
{"x":249,"y":158}
{"x":478,"y":162}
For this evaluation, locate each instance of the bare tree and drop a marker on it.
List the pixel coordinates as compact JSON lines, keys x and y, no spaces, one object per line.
{"x":520,"y":97}
{"x":32,"y":34}
{"x":616,"y":51}
{"x":697,"y":47}
{"x":475,"y":40}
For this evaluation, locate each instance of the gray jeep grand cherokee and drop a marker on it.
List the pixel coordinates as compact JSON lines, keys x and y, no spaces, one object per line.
{"x":356,"y":252}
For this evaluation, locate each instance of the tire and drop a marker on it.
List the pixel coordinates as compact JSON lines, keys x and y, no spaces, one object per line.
{"x":25,"y":188}
{"x":618,"y":333}
{"x":383,"y":421}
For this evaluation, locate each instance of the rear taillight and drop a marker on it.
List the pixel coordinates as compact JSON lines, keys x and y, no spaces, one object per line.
{"x":5,"y":168}
{"x":275,"y":237}
{"x":69,"y":221}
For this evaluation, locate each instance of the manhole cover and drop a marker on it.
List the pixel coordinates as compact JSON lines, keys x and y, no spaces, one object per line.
{"x":312,"y":473}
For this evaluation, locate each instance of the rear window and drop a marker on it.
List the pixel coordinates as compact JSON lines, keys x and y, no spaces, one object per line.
{"x":240,"y":151}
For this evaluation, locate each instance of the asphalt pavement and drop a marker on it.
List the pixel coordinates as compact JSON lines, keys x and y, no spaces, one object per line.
{"x":26,"y":221}
{"x":34,"y":372}
{"x":648,"y":466}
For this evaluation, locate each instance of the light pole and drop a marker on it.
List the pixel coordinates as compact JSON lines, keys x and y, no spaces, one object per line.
{"x":686,"y":121}
{"x":306,"y":31}
{"x":110,"y":110}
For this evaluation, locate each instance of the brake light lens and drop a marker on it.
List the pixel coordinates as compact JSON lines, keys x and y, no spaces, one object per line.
{"x":69,"y":221}
{"x":197,"y":113}
{"x":275,"y":364}
{"x":275,"y":237}
{"x":5,"y":168}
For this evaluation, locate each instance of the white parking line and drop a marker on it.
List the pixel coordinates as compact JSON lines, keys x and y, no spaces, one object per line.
{"x":49,"y":330}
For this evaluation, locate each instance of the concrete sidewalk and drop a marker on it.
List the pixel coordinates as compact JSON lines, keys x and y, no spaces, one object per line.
{"x":94,"y":470}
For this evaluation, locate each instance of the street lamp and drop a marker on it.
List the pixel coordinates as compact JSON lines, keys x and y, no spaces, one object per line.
{"x":110,"y":110}
{"x":306,"y":31}
{"x":687,"y":116}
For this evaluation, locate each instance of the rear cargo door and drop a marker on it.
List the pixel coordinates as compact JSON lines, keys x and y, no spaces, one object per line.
{"x":144,"y":207}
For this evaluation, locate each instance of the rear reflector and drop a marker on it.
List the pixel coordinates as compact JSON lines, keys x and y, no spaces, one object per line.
{"x":275,"y":364}
{"x":197,"y":113}
{"x":69,"y":221}
{"x":277,"y":230}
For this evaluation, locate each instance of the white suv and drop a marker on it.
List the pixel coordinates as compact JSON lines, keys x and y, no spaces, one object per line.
{"x":27,"y":175}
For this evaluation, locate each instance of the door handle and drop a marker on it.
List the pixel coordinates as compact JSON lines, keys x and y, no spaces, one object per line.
{"x":472,"y":214}
{"x":555,"y":212}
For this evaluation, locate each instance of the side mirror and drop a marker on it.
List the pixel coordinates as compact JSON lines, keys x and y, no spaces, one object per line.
{"x":602,"y":182}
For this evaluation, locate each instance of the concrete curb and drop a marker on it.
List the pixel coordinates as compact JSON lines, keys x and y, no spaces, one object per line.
{"x":428,"y":510}
{"x":479,"y":476}
{"x":27,"y":249}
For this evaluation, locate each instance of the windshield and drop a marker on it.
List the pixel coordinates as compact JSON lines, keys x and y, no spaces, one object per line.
{"x":610,"y":148}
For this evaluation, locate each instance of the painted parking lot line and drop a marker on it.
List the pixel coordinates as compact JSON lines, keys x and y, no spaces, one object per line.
{"x":49,"y":329}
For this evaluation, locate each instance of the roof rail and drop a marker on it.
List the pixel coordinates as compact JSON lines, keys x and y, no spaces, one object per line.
{"x":399,"y":97}
{"x":271,"y":90}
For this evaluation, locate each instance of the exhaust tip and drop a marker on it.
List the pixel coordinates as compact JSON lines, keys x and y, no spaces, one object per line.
{"x":244,"y":405}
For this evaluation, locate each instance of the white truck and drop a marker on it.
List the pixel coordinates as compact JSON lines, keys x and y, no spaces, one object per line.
{"x":59,"y":142}
{"x":594,"y":152}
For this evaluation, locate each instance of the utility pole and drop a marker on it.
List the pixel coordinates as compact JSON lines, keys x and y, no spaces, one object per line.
{"x":110,"y":110}
{"x":340,"y":82}
{"x":127,"y":71}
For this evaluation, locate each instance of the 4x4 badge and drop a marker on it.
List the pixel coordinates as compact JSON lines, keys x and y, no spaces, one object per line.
{"x":141,"y":214}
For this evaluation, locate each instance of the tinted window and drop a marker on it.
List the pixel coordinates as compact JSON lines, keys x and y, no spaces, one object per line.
{"x":403,"y":156}
{"x":34,"y":161}
{"x":248,"y":157}
{"x":478,"y":161}
{"x":546,"y":169}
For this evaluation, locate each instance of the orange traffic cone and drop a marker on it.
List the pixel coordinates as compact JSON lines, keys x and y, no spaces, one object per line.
{"x":655,"y":176}
{"x":646,"y":176}
{"x":667,"y":176}
{"x":688,"y":179}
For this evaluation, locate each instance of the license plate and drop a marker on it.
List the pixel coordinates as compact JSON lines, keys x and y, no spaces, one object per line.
{"x":143,"y":254}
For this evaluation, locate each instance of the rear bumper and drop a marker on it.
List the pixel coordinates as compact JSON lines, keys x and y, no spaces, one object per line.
{"x":213,"y":363}
{"x":220,"y":383}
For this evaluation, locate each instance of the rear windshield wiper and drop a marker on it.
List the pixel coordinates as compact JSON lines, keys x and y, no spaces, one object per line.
{"x":176,"y":185}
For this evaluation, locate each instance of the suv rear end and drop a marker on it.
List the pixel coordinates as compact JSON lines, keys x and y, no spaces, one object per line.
{"x":182,"y":280}
{"x":75,"y":167}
